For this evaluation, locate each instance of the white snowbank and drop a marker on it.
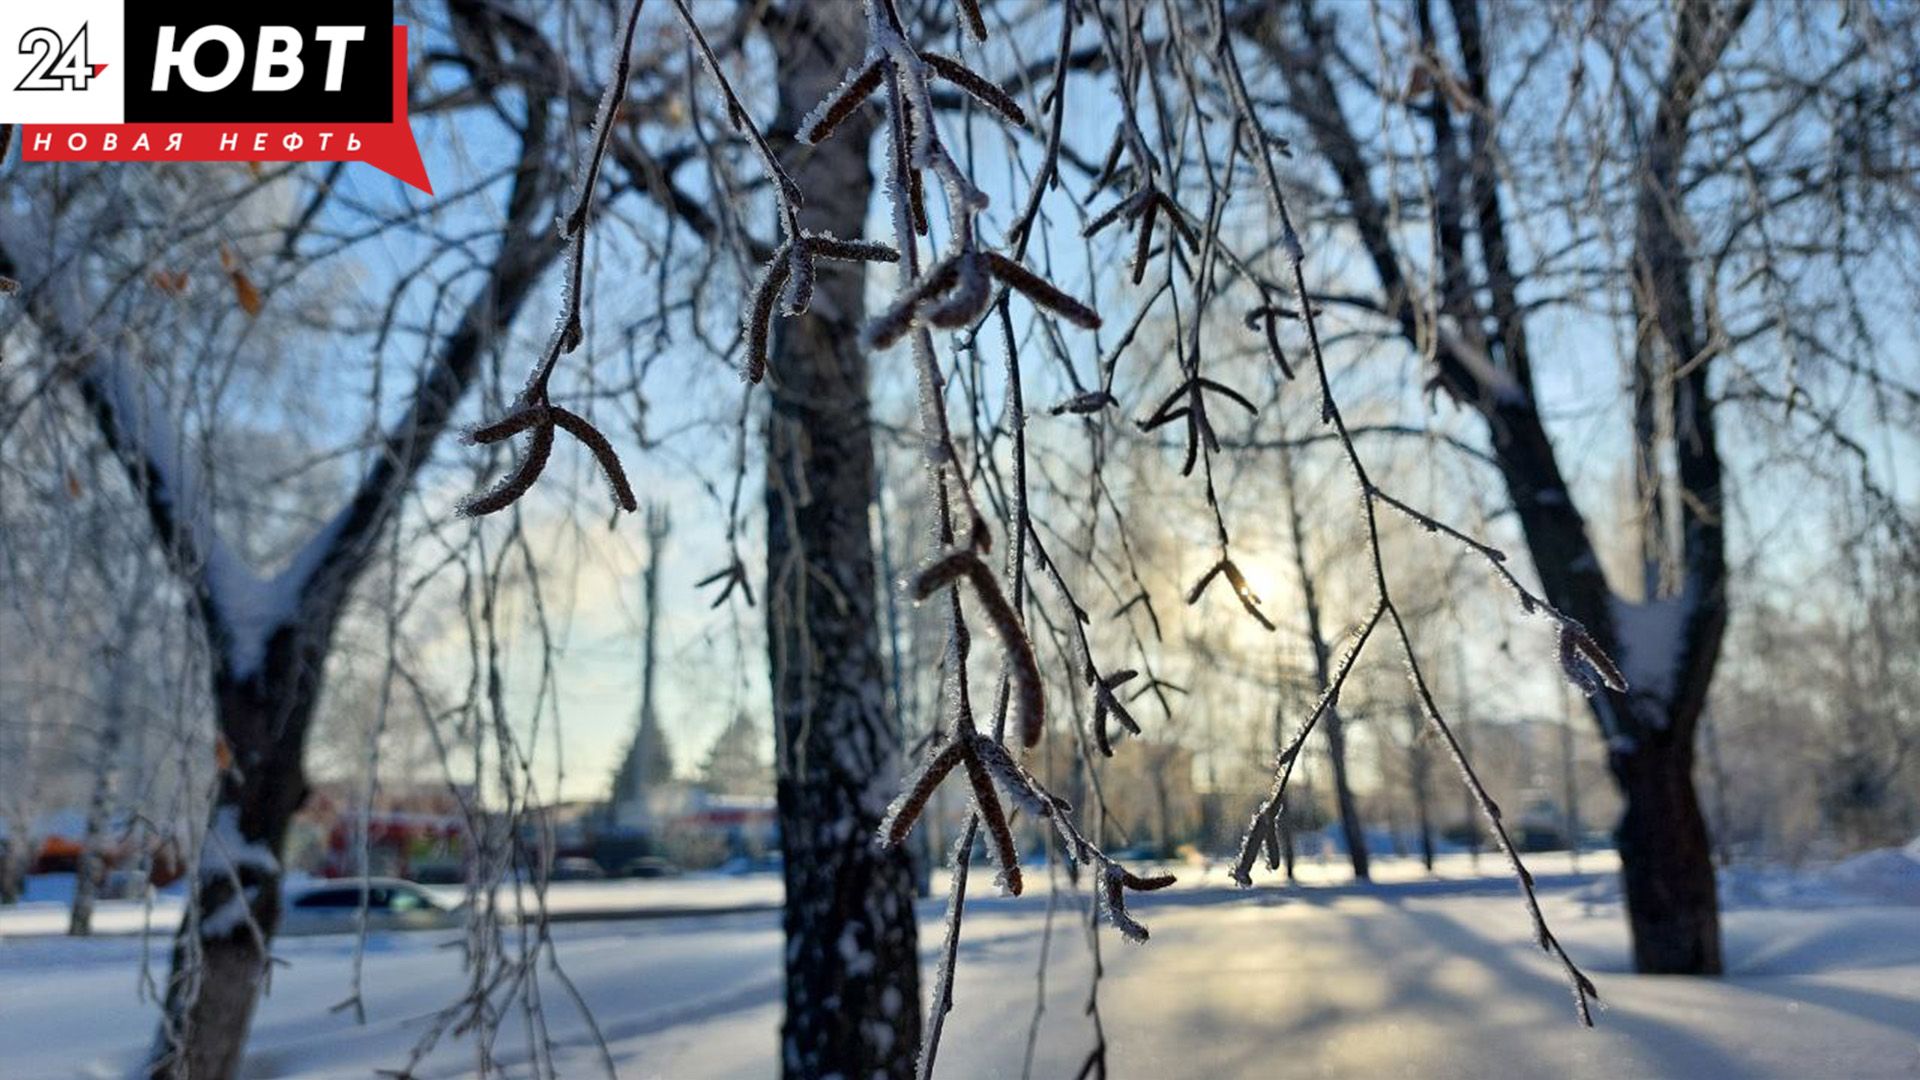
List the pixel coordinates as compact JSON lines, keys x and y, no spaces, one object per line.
{"x":1888,"y":875}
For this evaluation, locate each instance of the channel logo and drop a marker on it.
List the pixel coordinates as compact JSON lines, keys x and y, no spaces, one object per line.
{"x":132,"y":80}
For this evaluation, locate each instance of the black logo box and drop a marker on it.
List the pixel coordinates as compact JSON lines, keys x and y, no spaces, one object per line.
{"x":366,"y":88}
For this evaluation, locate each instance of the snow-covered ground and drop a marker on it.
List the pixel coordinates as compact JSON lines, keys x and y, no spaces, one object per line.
{"x":1409,"y":976}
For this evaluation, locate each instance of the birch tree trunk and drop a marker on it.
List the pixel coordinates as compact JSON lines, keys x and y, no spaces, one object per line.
{"x":220,"y":953}
{"x":852,"y":974}
{"x":106,"y":751}
{"x":106,"y":756}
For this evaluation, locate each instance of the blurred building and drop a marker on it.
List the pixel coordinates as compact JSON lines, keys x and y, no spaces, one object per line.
{"x":416,"y":831}
{"x":53,"y":843}
{"x":687,"y":824}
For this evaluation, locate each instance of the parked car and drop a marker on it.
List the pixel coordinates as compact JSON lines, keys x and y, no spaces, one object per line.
{"x":439,"y":873}
{"x":391,"y":904}
{"x":649,"y":866}
{"x":576,"y":869}
{"x":739,"y":865}
{"x":122,"y":884}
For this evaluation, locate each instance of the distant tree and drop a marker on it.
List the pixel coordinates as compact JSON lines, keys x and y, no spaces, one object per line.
{"x":651,"y":746}
{"x":735,"y":763}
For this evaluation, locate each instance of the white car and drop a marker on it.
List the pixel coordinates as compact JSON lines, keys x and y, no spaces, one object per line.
{"x":391,"y":904}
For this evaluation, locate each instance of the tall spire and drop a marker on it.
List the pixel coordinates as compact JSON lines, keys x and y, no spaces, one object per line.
{"x":649,"y":760}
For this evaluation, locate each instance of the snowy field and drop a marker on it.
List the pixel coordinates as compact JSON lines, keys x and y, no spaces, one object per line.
{"x":1411,"y":976}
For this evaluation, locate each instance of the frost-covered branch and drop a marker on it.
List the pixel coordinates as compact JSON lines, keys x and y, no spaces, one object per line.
{"x":1581,"y":659}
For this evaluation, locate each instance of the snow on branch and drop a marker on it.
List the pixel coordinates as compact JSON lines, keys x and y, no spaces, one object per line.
{"x":245,"y":608}
{"x":1650,"y":636}
{"x":138,"y":422}
{"x":231,"y":862}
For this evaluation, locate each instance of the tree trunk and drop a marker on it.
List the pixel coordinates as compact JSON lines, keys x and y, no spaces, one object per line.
{"x":1665,"y":854}
{"x":921,"y":847}
{"x":15,"y":854}
{"x":1426,"y":833}
{"x":1420,"y":766}
{"x":1350,"y":827}
{"x":106,"y":753}
{"x":1569,"y":783}
{"x":1722,"y":823}
{"x":852,"y":960}
{"x":220,"y":953}
{"x":1286,"y":842}
{"x":1469,"y":808}
{"x":1162,"y":803}
{"x":1350,"y":824}
{"x":1666,"y":863}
